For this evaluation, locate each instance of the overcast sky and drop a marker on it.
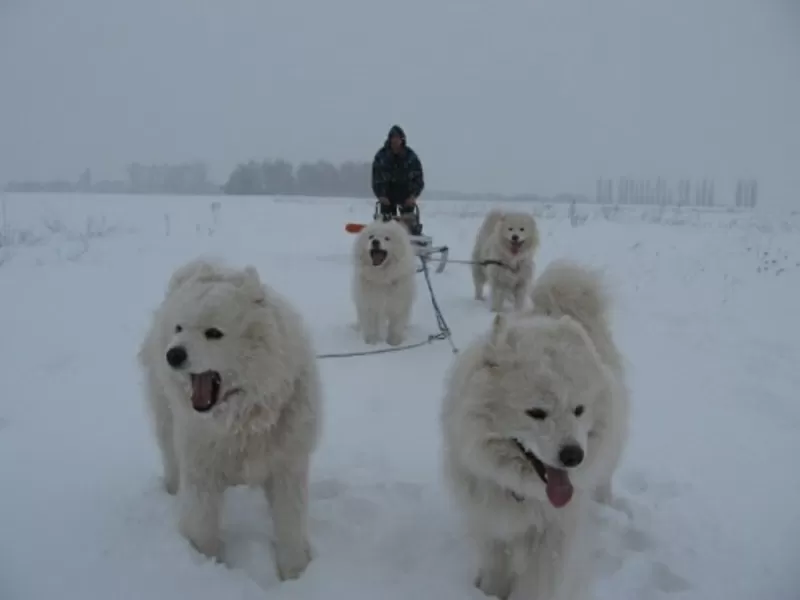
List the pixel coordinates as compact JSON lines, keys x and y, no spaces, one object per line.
{"x":504,"y":95}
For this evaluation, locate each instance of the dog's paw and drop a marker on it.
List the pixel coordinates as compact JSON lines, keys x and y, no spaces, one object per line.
{"x":208,"y":546}
{"x":371,"y":335}
{"x":203,"y":537}
{"x":171,"y":484}
{"x":291,"y":562}
{"x":394,"y":339}
{"x":493,"y":585}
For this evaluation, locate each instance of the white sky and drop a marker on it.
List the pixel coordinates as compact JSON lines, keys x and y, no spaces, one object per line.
{"x":503,"y":95}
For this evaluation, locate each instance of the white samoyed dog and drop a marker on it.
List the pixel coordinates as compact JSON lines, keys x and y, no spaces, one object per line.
{"x":535,"y":419}
{"x":233,"y":388}
{"x":384,"y":281}
{"x":510,"y":238}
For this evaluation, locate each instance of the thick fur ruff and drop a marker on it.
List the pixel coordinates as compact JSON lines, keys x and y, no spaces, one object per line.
{"x":511,"y":238}
{"x":535,"y":418}
{"x":233,"y":388}
{"x":384,"y":281}
{"x":566,"y":288}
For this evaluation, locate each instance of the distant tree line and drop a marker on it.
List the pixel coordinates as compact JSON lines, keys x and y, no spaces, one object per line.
{"x":182,"y":178}
{"x":280,"y":177}
{"x":631,"y":191}
{"x":352,"y":179}
{"x":747,"y":193}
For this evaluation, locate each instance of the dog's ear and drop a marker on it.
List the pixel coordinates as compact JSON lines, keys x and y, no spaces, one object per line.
{"x":501,"y":339}
{"x":251,"y":284}
{"x":574,"y":332}
{"x":197,"y":268}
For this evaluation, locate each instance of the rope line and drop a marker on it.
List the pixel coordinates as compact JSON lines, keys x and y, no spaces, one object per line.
{"x":444,"y":329}
{"x":483,"y":263}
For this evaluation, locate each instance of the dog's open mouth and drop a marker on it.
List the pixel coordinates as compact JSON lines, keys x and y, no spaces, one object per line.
{"x":378,"y":256}
{"x":557,"y":484}
{"x":205,"y":390}
{"x":515,"y":246}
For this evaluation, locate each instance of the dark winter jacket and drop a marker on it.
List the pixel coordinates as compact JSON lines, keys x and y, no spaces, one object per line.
{"x":397,"y":174}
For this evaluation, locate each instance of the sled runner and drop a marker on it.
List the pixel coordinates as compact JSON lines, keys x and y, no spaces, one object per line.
{"x":423,"y":244}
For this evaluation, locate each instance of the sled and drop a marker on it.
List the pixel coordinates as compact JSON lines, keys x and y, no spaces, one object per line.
{"x":423,"y":244}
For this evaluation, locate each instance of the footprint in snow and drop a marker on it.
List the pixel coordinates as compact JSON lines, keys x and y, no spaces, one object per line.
{"x":636,"y":540}
{"x":666,"y":580}
{"x":638,"y":483}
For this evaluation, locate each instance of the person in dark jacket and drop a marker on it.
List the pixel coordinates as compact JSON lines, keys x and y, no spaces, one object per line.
{"x":397,"y":176}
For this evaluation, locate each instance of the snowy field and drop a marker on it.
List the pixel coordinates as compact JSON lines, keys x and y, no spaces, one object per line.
{"x":706,"y":313}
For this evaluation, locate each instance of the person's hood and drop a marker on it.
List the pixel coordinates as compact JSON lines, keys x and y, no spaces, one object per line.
{"x":395,"y":130}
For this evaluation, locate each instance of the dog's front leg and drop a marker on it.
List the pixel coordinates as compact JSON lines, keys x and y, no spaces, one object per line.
{"x":520,"y":293}
{"x":498,"y":292}
{"x":199,"y":506}
{"x":478,"y":278}
{"x":369,"y":314}
{"x":371,"y":325}
{"x":494,"y":574}
{"x":523,"y":281}
{"x":165,"y":435}
{"x":397,"y":328}
{"x":398,"y":313}
{"x":550,"y":554}
{"x":368,"y":303}
{"x":287,"y":493}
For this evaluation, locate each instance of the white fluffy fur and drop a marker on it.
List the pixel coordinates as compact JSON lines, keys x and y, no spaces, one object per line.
{"x":263,"y":433}
{"x":384,"y":294}
{"x":568,"y":289}
{"x":493,"y":242}
{"x":557,"y":357}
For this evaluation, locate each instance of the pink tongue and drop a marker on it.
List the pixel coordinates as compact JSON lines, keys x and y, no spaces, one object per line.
{"x":559,"y":487}
{"x":202,"y":391}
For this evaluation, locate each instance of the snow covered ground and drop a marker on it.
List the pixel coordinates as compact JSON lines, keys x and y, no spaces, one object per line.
{"x":706,"y":313}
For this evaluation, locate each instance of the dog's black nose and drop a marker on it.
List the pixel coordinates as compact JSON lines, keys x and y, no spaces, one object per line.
{"x":515,"y":238}
{"x":376,"y":244}
{"x":176,"y":356}
{"x":571,"y":456}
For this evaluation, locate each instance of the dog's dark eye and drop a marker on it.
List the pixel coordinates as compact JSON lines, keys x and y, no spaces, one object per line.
{"x":537,"y":413}
{"x":386,"y":238}
{"x":213,"y":334}
{"x":178,"y":328}
{"x":372,"y":237}
{"x":511,"y":229}
{"x":578,"y":410}
{"x":521,"y":229}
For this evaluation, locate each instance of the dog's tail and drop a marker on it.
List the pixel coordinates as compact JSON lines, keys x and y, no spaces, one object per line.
{"x":568,"y":288}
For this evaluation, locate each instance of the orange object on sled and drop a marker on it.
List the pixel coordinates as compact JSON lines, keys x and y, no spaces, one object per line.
{"x":354,"y":227}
